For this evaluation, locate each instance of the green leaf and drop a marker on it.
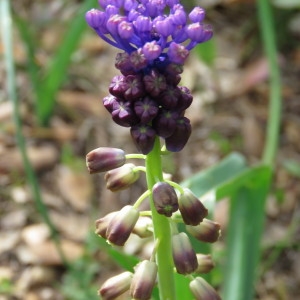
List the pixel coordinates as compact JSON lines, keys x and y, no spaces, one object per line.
{"x":211,"y":178}
{"x":244,"y":232}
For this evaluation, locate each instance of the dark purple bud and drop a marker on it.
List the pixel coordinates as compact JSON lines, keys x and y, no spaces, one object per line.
{"x":134,"y":87}
{"x":169,"y":98}
{"x":117,"y":86}
{"x":207,"y":231}
{"x":125,"y":30}
{"x":143,"y":137}
{"x":205,"y":263}
{"x":146,"y":109}
{"x":203,"y":290}
{"x":165,"y":123}
{"x":177,"y":53}
{"x":197,"y":14}
{"x":199,"y":33}
{"x":155,"y":83}
{"x":180,"y":136}
{"x":101,"y":224}
{"x":173,"y":80}
{"x":143,"y":280}
{"x":191,"y":208}
{"x":121,"y":178}
{"x":95,"y":18}
{"x":115,"y":286}
{"x":123,"y":114}
{"x":109,"y":102}
{"x":164,"y":198}
{"x":138,"y":60}
{"x":184,"y":256}
{"x":121,"y":225}
{"x":185,"y":99}
{"x":104,"y":159}
{"x":123,"y":63}
{"x":151,"y":50}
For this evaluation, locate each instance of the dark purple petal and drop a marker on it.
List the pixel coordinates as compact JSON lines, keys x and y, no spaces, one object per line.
{"x":138,"y":60}
{"x":143,"y":137}
{"x":185,"y":99}
{"x":155,"y":83}
{"x":169,"y":98}
{"x":134,"y":87}
{"x":146,"y":109}
{"x":180,"y":136}
{"x":109,"y":102}
{"x":123,"y":114}
{"x":165,"y":123}
{"x":117,"y":86}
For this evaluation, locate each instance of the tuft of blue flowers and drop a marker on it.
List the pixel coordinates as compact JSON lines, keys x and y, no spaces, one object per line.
{"x":156,"y":37}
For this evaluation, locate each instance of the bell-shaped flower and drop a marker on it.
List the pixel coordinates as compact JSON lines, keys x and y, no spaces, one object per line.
{"x":104,"y":159}
{"x":202,"y":290}
{"x":121,"y":225}
{"x":143,"y":280}
{"x":164,"y":198}
{"x":184,"y":256}
{"x":207,"y":231}
{"x":115,"y":286}
{"x":121,"y":178}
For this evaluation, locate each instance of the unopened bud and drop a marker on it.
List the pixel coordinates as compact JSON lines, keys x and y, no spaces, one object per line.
{"x":164,"y":198}
{"x":207,"y":231}
{"x":202,"y":290}
{"x":184,"y":256}
{"x":101,"y":224}
{"x":205,"y":263}
{"x":121,"y":225}
{"x":121,"y":178}
{"x":115,"y":286}
{"x":142,"y":227}
{"x":104,"y":159}
{"x":143,"y":280}
{"x":191,"y":208}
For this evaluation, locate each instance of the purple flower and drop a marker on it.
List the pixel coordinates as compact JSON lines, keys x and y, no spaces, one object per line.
{"x":129,"y":25}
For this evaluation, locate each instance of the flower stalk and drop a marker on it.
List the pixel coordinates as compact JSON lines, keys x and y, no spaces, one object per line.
{"x":162,"y":230}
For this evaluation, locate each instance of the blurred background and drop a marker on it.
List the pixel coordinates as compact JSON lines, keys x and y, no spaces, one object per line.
{"x":62,"y":72}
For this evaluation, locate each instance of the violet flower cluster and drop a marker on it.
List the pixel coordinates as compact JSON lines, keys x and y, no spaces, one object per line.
{"x":156,"y":37}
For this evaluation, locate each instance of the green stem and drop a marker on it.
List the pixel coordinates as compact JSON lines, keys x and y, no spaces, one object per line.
{"x":268,"y":39}
{"x":162,"y":231}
